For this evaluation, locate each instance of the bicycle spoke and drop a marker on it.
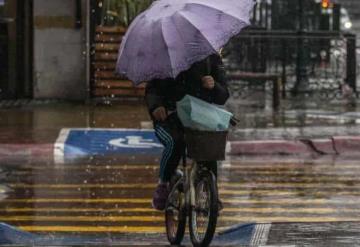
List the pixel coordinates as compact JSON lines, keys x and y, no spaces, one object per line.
{"x":172,"y":206}
{"x":201,"y":209}
{"x":204,"y":213}
{"x":175,"y":216}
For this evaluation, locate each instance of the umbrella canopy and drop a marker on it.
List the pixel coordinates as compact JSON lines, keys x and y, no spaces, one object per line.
{"x":171,"y":35}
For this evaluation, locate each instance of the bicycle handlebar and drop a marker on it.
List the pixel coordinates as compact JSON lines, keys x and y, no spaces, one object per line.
{"x":234,"y":121}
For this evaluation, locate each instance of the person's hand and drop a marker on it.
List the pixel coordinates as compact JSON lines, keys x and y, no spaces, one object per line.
{"x":160,"y":113}
{"x":208,"y":82}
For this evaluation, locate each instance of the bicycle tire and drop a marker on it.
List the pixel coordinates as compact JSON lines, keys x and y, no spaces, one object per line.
{"x":175,"y":224}
{"x":208,"y":179}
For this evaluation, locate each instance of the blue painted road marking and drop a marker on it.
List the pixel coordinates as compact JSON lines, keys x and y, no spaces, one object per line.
{"x":84,"y":142}
{"x":242,"y":235}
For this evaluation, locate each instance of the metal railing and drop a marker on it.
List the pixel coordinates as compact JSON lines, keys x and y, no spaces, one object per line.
{"x":319,"y":61}
{"x":3,"y":56}
{"x":288,"y":15}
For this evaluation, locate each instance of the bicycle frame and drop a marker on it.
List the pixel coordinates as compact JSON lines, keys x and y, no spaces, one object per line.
{"x":188,"y":206}
{"x":190,"y":172}
{"x":185,"y":190}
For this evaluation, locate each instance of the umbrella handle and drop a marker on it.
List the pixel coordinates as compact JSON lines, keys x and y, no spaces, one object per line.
{"x":234,"y":121}
{"x":208,"y":66}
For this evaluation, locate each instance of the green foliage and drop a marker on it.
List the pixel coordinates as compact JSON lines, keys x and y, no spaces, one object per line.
{"x":122,"y":12}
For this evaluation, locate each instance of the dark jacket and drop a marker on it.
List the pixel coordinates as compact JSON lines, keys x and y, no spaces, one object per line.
{"x":168,"y":91}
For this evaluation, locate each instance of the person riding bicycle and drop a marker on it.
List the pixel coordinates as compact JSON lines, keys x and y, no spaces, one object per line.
{"x":205,"y":80}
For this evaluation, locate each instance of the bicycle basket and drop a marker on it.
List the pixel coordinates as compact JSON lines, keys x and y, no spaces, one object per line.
{"x":205,"y":145}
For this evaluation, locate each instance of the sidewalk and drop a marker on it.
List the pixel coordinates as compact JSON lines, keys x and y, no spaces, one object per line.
{"x":36,"y":130}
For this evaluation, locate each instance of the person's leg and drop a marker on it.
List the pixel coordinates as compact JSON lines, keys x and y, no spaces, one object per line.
{"x":171,"y":135}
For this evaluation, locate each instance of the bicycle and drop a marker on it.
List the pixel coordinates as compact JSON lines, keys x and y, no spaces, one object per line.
{"x":194,"y":193}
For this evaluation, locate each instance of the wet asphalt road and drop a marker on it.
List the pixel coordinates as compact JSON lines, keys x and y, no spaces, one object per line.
{"x":112,"y":197}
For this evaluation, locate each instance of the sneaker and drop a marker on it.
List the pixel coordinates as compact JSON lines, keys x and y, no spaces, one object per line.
{"x":160,"y":196}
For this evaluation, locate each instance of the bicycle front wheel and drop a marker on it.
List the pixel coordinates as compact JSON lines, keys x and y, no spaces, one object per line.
{"x":203,"y":216}
{"x":175,"y":214}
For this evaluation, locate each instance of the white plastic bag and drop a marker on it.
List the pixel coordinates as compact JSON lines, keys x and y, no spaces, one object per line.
{"x":198,"y":114}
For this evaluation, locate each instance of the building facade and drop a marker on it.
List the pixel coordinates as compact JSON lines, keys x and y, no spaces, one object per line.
{"x":15,"y":49}
{"x":63,"y":49}
{"x":67,"y":49}
{"x":60,"y":49}
{"x":43,"y":49}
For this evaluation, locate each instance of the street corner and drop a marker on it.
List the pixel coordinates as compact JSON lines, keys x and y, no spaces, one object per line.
{"x":77,"y":143}
{"x":269,"y":147}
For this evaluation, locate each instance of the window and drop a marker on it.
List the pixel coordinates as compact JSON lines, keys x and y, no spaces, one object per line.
{"x":2,"y":3}
{"x":121,"y":12}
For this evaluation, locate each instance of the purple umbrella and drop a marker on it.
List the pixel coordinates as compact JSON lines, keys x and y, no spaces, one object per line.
{"x":171,"y":35}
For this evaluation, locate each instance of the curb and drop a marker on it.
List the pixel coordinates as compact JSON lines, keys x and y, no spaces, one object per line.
{"x":267,"y":147}
{"x":26,"y":151}
{"x":347,"y":145}
{"x":337,"y":145}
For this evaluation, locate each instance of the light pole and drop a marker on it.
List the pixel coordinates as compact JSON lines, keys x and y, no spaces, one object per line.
{"x":301,"y":85}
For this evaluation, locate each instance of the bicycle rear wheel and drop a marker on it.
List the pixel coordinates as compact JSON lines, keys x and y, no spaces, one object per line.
{"x":175,"y":214}
{"x":203,"y":217}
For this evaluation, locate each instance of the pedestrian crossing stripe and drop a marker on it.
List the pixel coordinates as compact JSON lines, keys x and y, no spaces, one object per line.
{"x":308,"y":210}
{"x":278,"y":193}
{"x":160,"y":219}
{"x":255,"y":200}
{"x":245,"y":184}
{"x":280,"y":174}
{"x":148,"y":201}
{"x":107,"y":229}
{"x":294,"y":168}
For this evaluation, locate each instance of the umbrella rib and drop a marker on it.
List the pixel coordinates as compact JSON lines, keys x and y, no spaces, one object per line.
{"x":220,"y":10}
{"x":186,"y":18}
{"x":184,"y":68}
{"x":177,"y":30}
{"x":124,"y":43}
{"x":163,"y":37}
{"x":241,"y":23}
{"x":182,"y":40}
